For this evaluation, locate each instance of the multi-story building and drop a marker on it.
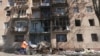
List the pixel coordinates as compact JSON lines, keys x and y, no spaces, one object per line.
{"x":67,"y":24}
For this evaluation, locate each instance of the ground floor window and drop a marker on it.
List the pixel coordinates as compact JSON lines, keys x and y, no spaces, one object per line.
{"x":61,"y":38}
{"x":19,"y":38}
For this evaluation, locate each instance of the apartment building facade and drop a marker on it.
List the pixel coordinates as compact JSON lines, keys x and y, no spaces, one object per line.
{"x":67,"y":24}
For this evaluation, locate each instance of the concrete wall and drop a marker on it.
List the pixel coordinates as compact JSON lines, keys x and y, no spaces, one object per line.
{"x":84,"y":29}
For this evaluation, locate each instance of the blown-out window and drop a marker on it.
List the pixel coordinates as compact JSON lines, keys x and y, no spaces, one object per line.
{"x":61,"y":38}
{"x":79,"y":37}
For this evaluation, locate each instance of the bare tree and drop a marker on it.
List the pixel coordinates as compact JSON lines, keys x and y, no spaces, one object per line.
{"x":96,"y":4}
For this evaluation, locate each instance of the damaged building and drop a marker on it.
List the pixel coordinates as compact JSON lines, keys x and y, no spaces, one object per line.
{"x":65,"y":24}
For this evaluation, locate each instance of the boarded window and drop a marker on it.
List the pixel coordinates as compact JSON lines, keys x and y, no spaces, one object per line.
{"x":79,"y":37}
{"x":61,"y":38}
{"x":91,"y":21}
{"x":77,"y":22}
{"x":19,"y":38}
{"x":94,"y":37}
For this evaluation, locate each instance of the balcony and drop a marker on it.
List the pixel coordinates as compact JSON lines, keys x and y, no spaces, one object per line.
{"x":19,"y":26}
{"x":38,"y":27}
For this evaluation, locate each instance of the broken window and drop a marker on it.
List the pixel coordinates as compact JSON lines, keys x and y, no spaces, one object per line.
{"x":60,"y":23}
{"x":35,"y":14}
{"x":89,"y":8}
{"x":60,"y":11}
{"x":45,"y":12}
{"x":77,"y":22}
{"x":91,"y":21}
{"x":19,"y":38}
{"x":94,"y":37}
{"x":79,"y":37}
{"x":76,"y":10}
{"x":61,"y":38}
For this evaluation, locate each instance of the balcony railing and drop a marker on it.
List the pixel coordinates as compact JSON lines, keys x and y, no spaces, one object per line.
{"x":19,"y":16}
{"x":59,"y":14}
{"x":23,"y":1}
{"x":20,"y":29}
{"x":45,"y":4}
{"x":60,"y":29}
{"x":59,"y":1}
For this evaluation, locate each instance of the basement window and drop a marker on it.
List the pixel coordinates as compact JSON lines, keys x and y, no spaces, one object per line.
{"x":77,"y":23}
{"x":19,"y":38}
{"x":91,"y":21}
{"x":94,"y":37}
{"x":79,"y":37}
{"x":61,"y":38}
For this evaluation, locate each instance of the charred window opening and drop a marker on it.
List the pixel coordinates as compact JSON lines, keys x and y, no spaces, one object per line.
{"x":46,"y":25}
{"x":8,"y":13}
{"x":60,"y":23}
{"x":79,"y":37}
{"x":45,"y":12}
{"x":77,"y":22}
{"x":91,"y":21}
{"x":40,"y":26}
{"x":19,"y":38}
{"x":94,"y":37}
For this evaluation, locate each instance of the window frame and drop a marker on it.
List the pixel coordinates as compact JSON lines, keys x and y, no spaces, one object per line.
{"x":61,"y":38}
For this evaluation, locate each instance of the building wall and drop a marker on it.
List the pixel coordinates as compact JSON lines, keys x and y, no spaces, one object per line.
{"x":85,"y":29}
